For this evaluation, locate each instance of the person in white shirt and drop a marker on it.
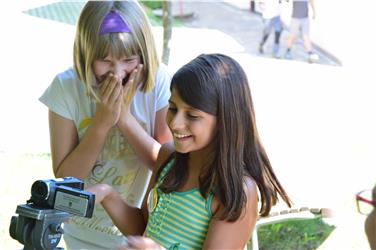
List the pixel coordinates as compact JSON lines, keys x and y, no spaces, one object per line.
{"x":272,"y":22}
{"x":107,"y":114}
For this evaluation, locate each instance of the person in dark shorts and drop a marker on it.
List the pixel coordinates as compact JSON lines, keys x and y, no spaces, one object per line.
{"x":300,"y":23}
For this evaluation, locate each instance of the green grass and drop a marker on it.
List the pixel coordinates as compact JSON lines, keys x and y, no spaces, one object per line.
{"x":296,"y":234}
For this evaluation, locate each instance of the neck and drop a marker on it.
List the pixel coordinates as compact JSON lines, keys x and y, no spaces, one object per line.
{"x":198,"y":160}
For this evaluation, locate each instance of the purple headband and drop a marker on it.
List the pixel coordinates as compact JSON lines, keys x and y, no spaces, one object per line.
{"x":113,"y":23}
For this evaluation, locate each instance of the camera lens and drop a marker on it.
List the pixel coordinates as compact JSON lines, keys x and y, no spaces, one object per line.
{"x":39,"y":190}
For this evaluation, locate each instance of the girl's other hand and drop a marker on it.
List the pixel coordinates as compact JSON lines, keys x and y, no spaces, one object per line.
{"x":134,"y":81}
{"x":109,"y":107}
{"x":129,"y":90}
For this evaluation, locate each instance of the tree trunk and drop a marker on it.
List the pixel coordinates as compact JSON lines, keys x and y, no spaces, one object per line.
{"x":167,"y":30}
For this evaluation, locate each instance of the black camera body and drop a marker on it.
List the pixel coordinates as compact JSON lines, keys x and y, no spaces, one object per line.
{"x":52,"y":202}
{"x":64,"y":194}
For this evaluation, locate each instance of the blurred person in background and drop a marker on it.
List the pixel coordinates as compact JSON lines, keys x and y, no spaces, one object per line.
{"x":366,"y":203}
{"x":300,"y":23}
{"x":272,"y":22}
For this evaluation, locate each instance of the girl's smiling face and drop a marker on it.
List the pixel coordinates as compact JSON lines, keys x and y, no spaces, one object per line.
{"x":192,"y":128}
{"x":122,"y":67}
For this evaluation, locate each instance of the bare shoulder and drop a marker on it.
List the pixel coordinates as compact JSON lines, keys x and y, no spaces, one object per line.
{"x":164,"y":153}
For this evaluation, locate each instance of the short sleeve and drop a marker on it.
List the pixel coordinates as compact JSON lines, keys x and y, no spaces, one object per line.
{"x":55,"y":98}
{"x":163,"y":81}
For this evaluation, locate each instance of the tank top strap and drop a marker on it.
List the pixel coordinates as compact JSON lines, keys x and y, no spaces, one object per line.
{"x":165,"y":169}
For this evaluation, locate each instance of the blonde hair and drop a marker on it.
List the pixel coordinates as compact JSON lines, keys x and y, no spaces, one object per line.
{"x":90,"y":46}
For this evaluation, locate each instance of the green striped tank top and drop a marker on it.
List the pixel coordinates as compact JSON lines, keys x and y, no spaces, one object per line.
{"x":178,"y":220}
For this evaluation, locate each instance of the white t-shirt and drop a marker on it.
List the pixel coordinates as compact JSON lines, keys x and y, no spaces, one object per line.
{"x":117,"y":165}
{"x":271,"y":8}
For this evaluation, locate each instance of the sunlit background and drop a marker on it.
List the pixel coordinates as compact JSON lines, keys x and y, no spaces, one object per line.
{"x":317,"y":121}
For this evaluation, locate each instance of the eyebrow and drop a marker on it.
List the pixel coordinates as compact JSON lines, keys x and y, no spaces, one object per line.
{"x":189,"y":108}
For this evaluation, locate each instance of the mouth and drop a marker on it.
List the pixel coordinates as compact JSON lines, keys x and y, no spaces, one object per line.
{"x":181,"y":136}
{"x":125,"y":79}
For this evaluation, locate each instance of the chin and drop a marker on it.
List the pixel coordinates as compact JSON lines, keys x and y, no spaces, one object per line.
{"x":180,"y":149}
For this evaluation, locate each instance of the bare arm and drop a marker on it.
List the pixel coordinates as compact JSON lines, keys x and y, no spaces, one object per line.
{"x":138,"y":242}
{"x":145,"y":146}
{"x":234,"y":235}
{"x":68,"y":157}
{"x":128,"y":219}
{"x":71,"y":157}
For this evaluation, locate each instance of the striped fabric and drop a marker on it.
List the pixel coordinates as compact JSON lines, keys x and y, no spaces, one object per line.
{"x":179,"y":220}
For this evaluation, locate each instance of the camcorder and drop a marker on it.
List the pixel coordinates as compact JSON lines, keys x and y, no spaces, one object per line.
{"x":52,"y":202}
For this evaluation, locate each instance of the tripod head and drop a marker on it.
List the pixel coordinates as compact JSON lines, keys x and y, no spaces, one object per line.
{"x":37,"y":228}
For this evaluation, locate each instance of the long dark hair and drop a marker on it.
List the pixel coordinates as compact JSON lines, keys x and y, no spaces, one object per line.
{"x":217,"y":84}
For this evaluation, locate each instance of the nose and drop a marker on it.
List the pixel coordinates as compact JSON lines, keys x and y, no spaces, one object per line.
{"x":119,"y":70}
{"x":177,"y":121}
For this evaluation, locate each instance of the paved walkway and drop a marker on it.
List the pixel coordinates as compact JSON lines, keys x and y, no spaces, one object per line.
{"x":235,"y":19}
{"x":232,"y":18}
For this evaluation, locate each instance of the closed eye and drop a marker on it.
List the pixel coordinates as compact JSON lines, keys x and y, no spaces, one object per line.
{"x":172,"y":109}
{"x":192,"y":117}
{"x":129,"y":60}
{"x":105,"y":61}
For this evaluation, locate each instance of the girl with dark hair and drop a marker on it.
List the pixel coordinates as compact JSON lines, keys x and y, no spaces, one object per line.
{"x":204,"y":189}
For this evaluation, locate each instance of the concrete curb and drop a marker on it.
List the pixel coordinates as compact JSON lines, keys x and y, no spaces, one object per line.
{"x":317,"y":47}
{"x":327,"y":53}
